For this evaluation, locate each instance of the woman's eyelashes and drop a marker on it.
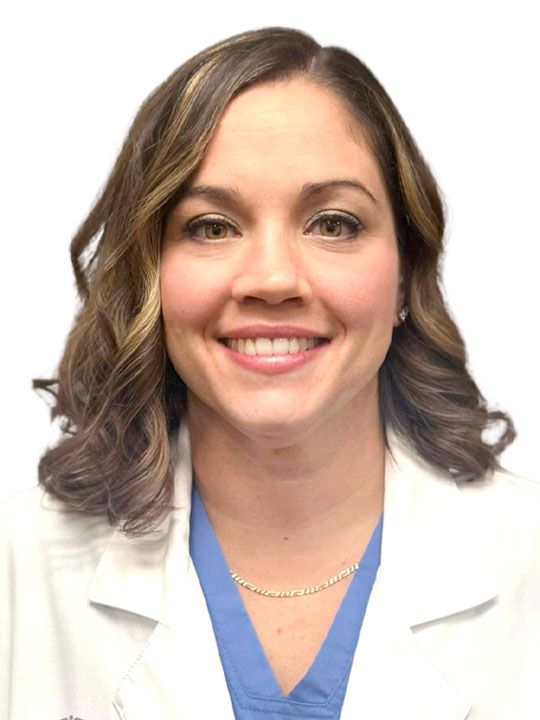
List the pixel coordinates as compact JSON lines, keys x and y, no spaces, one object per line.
{"x":329,"y":224}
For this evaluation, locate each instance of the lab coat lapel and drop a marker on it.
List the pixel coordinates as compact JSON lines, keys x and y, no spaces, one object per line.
{"x":178,"y":673}
{"x":436,"y":560}
{"x":391,"y":677}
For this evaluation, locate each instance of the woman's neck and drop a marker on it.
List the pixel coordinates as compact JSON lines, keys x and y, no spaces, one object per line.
{"x":310,"y":495}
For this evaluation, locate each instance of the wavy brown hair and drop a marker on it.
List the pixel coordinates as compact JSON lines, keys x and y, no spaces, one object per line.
{"x":118,"y":397}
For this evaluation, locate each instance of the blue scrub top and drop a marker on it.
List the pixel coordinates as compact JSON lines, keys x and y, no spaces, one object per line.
{"x":255,"y":693}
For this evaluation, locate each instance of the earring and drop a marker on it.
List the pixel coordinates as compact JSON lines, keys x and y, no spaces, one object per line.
{"x":403,"y":313}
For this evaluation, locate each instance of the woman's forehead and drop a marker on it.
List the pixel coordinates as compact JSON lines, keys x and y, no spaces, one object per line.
{"x":287,"y":134}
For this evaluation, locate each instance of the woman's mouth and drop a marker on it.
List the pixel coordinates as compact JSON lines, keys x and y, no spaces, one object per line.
{"x":273,"y":356}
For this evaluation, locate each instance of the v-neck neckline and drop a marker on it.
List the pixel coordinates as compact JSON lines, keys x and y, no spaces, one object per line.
{"x":243,"y":657}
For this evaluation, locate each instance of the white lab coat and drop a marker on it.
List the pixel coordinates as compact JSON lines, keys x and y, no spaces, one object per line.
{"x":102,"y":627}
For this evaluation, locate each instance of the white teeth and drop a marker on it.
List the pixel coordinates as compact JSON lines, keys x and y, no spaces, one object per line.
{"x":270,"y":346}
{"x":281,"y":346}
{"x":263,"y":346}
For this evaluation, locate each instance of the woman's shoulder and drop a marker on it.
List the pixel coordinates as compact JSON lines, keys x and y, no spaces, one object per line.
{"x":500,"y":496}
{"x":520,"y":484}
{"x":513,"y":494}
{"x":33,"y":522}
{"x":512,"y":499}
{"x":509,"y":504}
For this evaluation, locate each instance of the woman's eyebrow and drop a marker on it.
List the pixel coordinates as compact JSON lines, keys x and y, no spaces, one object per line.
{"x":231,"y":195}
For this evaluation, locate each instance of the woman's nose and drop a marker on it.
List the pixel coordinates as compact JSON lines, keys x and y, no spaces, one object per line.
{"x":272,"y":270}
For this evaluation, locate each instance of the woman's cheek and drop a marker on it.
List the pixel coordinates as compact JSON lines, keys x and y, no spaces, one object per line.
{"x":365,"y":295}
{"x":188,"y":294}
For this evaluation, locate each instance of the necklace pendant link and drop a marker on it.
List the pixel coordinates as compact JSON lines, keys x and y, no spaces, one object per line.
{"x":295,"y":593}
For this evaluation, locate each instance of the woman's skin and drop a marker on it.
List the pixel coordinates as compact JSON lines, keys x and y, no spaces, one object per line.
{"x":290,"y":465}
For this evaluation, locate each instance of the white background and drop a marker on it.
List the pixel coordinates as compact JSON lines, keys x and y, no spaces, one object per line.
{"x":464,"y":76}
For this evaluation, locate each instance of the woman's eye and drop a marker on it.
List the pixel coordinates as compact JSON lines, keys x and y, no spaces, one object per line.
{"x":214,"y":228}
{"x":331,"y":225}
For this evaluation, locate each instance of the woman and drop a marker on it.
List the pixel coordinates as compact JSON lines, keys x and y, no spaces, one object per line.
{"x":274,"y":497}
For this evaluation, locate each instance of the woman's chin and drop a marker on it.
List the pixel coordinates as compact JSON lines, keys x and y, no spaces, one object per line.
{"x":280,"y":428}
{"x":268,"y":424}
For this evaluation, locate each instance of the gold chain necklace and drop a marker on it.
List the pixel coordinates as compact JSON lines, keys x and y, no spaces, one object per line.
{"x":293,"y":593}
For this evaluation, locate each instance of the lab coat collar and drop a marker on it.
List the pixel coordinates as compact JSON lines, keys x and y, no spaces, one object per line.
{"x":141,"y":574}
{"x":438,"y":538}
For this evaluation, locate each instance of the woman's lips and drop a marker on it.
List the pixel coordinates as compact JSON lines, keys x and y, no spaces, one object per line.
{"x":274,"y":364}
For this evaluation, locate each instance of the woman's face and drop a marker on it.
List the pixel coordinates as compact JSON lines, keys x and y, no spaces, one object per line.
{"x":279,"y":257}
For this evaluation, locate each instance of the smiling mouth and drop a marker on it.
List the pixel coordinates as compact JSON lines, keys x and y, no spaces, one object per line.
{"x":272,"y":346}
